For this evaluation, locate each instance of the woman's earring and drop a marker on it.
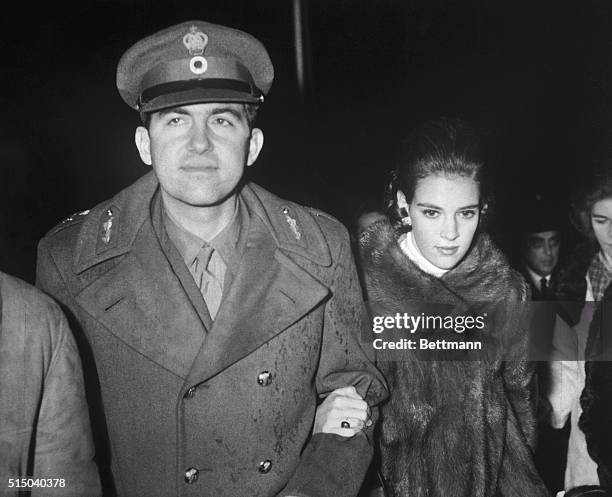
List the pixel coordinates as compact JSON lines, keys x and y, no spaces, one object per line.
{"x":405,"y":218}
{"x":402,"y":210}
{"x":483,"y":215}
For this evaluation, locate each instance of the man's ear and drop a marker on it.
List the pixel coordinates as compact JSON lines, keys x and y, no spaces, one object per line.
{"x":255,"y":145}
{"x":143,"y":144}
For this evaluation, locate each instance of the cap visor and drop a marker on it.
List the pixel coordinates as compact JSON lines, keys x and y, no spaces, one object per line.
{"x":197,"y":96}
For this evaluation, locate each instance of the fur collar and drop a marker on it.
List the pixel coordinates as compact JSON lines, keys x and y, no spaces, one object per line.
{"x":484,"y":275}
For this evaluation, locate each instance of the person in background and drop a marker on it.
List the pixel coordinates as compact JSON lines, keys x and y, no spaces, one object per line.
{"x":540,"y":246}
{"x":46,"y":446}
{"x":455,"y":426}
{"x":582,"y":330}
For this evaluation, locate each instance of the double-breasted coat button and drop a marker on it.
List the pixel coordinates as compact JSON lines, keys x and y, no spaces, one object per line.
{"x":191,"y":475}
{"x":190,"y":393}
{"x":264,"y":378}
{"x":265,"y":466}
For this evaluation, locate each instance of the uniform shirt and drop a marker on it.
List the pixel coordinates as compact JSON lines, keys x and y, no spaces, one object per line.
{"x":181,"y":247}
{"x":226,"y":242}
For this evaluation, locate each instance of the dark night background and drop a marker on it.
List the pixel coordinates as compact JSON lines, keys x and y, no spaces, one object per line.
{"x":533,"y":76}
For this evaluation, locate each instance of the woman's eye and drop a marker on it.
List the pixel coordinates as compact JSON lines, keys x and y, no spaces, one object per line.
{"x":469,"y":214}
{"x":430,"y":213}
{"x":600,"y":220}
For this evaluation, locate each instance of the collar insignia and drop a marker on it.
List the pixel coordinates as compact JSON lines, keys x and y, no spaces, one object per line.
{"x":292,"y":224}
{"x":107,"y":226}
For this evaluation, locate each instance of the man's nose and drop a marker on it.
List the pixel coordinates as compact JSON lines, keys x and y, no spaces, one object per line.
{"x":547,"y":249}
{"x":200,"y":140}
{"x":449,"y":229}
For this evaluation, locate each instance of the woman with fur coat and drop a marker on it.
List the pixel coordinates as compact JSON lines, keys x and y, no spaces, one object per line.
{"x":455,"y":425}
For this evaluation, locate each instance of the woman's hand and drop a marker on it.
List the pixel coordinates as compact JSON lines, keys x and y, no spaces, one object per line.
{"x":343,"y":412}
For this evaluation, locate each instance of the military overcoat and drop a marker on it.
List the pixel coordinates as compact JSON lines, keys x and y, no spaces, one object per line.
{"x":225,"y":411}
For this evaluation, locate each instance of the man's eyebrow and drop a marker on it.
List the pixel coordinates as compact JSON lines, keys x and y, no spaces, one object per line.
{"x":181,"y":110}
{"x":173,"y":110}
{"x":231,"y":110}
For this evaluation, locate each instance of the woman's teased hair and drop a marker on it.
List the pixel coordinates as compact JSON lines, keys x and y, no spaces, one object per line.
{"x":445,"y":147}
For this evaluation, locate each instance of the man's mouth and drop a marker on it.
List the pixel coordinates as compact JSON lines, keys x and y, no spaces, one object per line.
{"x":199,"y":168}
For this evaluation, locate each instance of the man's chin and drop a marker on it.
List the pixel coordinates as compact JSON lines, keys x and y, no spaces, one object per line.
{"x":211,"y":200}
{"x":198,"y":196}
{"x":543,"y":273}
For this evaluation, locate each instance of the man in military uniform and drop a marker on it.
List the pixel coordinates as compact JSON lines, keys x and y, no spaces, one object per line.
{"x":216,"y":314}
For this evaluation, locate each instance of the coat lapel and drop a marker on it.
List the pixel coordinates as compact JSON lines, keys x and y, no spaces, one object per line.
{"x":141,"y":301}
{"x":269,"y":293}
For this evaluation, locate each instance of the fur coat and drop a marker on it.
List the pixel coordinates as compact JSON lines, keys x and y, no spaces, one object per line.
{"x":454,"y":428}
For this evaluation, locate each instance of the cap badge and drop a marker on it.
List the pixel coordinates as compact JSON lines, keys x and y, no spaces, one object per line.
{"x":195,"y":42}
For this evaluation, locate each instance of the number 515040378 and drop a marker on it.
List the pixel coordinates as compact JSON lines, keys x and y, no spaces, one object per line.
{"x":36,"y":482}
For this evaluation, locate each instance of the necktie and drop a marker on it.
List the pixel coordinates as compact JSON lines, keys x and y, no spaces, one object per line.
{"x":208,"y":270}
{"x":544,"y":288}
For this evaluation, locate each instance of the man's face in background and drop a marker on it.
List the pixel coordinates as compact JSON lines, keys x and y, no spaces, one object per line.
{"x":541,"y":251}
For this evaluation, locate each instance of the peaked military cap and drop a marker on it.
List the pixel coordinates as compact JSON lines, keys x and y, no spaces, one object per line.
{"x":194,"y":62}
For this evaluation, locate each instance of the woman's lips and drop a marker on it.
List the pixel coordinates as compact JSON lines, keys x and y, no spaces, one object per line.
{"x":448,"y":250}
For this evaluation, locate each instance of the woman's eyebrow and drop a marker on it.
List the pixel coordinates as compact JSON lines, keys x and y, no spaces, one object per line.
{"x":433,"y":206}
